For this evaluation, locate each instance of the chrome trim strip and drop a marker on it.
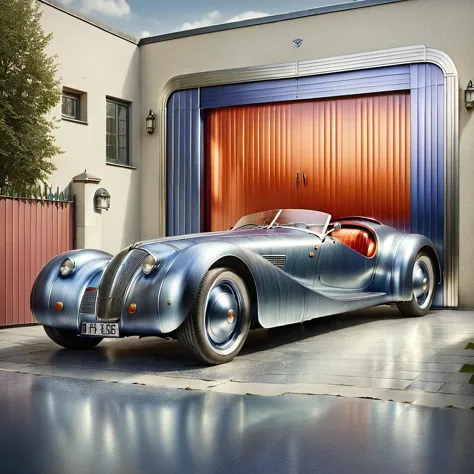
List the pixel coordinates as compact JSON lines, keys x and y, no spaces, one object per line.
{"x":351,"y":62}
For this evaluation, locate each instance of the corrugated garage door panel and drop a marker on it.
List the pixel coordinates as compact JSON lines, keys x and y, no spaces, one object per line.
{"x":251,"y":161}
{"x":184,"y":163}
{"x":355,"y":153}
{"x":367,"y":81}
{"x":357,"y":157}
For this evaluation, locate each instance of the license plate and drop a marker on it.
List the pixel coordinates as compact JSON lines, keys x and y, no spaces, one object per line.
{"x":100,"y":329}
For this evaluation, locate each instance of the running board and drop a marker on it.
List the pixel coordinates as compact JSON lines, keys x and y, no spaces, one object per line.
{"x":338,"y":296}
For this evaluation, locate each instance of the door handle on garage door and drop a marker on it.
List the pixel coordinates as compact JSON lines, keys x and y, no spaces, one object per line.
{"x":297,"y":179}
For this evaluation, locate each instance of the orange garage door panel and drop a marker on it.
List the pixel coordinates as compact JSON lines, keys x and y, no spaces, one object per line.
{"x":348,"y":156}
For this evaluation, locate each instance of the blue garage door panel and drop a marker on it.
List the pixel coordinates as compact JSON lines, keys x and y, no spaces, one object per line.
{"x":314,"y":87}
{"x":183,"y":163}
{"x":248,"y":93}
{"x":356,"y":82}
{"x":427,"y":156}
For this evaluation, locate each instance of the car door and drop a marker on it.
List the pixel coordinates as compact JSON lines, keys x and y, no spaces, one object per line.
{"x":340,"y":266}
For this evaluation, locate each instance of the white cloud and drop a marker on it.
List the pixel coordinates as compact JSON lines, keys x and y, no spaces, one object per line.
{"x":145,"y":34}
{"x":247,"y":16}
{"x":215,"y":18}
{"x":207,"y":20}
{"x":115,"y":8}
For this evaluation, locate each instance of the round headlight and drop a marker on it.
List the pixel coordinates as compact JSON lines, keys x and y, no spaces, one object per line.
{"x":66,"y":267}
{"x":149,"y":264}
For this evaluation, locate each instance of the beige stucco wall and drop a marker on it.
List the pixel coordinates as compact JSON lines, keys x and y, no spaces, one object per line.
{"x":100,"y":64}
{"x":441,"y":24}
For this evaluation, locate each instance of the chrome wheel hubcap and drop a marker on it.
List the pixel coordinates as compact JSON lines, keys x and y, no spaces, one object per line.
{"x":223,"y":314}
{"x":422,"y":282}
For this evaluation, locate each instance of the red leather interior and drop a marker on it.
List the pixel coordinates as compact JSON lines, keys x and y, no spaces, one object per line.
{"x":360,"y":240}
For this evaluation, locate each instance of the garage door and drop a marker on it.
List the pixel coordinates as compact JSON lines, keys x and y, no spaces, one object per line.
{"x":344,"y":156}
{"x":368,"y":142}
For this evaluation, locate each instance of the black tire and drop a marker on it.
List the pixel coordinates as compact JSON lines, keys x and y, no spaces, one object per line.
{"x":70,"y":339}
{"x":420,"y":305}
{"x":205,"y":326}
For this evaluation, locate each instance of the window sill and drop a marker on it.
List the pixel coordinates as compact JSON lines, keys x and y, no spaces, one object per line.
{"x":119,"y":165}
{"x":80,"y":122}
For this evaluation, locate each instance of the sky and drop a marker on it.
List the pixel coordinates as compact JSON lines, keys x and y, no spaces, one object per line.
{"x":143,"y":18}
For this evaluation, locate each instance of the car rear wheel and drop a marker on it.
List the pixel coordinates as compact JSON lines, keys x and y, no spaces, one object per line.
{"x":423,"y":288}
{"x":70,"y":339}
{"x":218,"y":324}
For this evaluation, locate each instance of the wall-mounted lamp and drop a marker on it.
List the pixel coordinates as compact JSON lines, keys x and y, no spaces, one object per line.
{"x":469,"y":96}
{"x":102,"y":199}
{"x":150,"y":122}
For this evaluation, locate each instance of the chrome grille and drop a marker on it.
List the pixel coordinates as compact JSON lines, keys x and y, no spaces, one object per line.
{"x":278,"y":260}
{"x":115,"y":282}
{"x":110,"y":271}
{"x":88,"y":301}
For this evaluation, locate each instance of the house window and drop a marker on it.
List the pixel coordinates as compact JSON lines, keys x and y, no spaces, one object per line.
{"x":74,"y":105}
{"x":71,"y":106}
{"x":117,"y":132}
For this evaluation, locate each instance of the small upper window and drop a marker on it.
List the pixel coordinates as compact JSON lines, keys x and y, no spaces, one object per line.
{"x":71,"y":106}
{"x":117,"y":132}
{"x":74,"y":105}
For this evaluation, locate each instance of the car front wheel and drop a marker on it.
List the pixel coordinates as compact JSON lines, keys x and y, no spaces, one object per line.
{"x":70,"y":339}
{"x":423,"y":288}
{"x":218,"y":324}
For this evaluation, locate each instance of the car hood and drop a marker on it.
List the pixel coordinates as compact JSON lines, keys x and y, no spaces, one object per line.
{"x":244,"y":238}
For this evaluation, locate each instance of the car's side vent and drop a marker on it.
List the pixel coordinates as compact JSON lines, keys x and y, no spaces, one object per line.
{"x":277,"y":260}
{"x":88,"y":301}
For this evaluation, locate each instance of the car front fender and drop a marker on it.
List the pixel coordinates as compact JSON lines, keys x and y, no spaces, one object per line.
{"x":182,"y":281}
{"x":51,"y":287}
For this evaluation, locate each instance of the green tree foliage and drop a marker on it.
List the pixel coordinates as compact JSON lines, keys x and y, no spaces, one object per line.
{"x":29,"y":89}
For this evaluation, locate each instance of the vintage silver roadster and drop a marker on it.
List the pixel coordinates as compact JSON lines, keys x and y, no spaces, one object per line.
{"x":208,"y":290}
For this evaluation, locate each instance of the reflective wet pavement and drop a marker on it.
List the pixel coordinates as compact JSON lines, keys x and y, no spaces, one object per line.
{"x":372,"y":353}
{"x":61,"y":425}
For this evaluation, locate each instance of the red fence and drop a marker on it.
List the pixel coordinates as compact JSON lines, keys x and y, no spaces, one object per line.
{"x":31,"y":233}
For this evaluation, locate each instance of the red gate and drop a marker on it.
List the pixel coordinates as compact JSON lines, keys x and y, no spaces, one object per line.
{"x":32,"y":231}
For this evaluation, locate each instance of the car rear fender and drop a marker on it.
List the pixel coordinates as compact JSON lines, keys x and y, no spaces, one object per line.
{"x":402,"y":271}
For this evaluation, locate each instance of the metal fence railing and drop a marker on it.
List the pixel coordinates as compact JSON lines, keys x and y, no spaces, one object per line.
{"x":39,"y":193}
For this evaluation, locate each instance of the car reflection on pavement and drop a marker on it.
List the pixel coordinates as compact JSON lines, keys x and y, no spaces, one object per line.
{"x":65,"y":425}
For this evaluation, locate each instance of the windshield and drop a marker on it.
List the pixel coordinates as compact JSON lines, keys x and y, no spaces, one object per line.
{"x":313,"y":221}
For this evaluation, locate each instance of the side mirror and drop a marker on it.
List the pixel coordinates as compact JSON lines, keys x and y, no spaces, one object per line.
{"x":336,"y":226}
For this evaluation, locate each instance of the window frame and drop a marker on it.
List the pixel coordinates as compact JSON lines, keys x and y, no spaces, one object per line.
{"x":127,"y":106}
{"x":77,"y":99}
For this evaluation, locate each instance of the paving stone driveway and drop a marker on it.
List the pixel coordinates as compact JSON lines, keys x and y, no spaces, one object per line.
{"x":371,"y":353}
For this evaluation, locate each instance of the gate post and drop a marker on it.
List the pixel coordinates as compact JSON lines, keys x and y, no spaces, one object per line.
{"x":88,"y":222}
